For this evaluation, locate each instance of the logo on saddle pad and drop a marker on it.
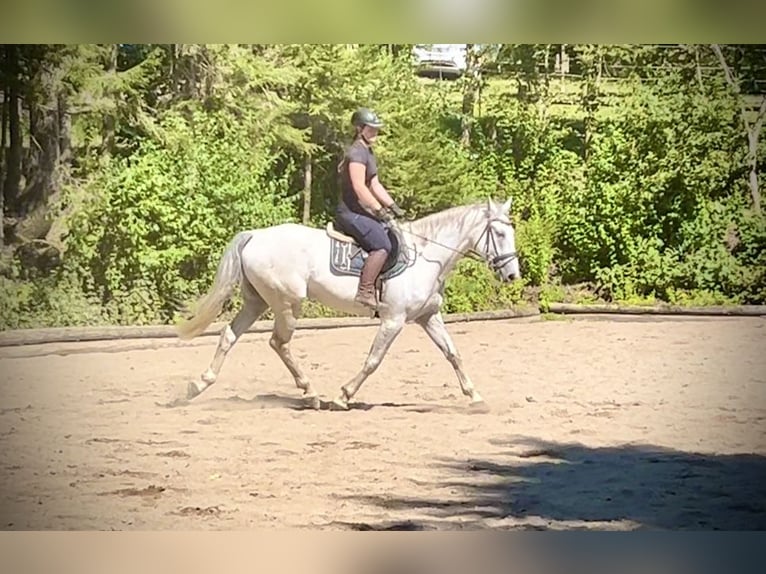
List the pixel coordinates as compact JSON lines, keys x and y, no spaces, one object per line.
{"x":347,"y":256}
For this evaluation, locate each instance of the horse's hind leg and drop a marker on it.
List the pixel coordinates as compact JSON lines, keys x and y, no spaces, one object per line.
{"x":253,"y":307}
{"x":285,"y":319}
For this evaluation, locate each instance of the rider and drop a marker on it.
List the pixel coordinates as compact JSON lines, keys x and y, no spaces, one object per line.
{"x":364,"y":203}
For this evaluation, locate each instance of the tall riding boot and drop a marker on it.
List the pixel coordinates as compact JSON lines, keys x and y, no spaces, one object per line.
{"x":372,"y":267}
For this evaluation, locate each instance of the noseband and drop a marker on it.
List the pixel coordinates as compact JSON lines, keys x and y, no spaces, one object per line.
{"x":499,"y":260}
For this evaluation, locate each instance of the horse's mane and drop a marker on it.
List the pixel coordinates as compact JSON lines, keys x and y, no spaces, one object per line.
{"x":428,"y":224}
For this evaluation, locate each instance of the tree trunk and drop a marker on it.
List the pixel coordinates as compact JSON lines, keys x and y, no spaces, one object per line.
{"x":206,"y":65}
{"x":752,"y":139}
{"x":592,"y":76}
{"x":191,"y":63}
{"x":752,"y":132}
{"x":44,"y":147}
{"x":547,"y":68}
{"x":108,"y":126}
{"x":3,"y":130}
{"x":698,"y":67}
{"x":173,"y":69}
{"x":307,"y":173}
{"x":65,"y":131}
{"x":563,"y":62}
{"x":12,"y":181}
{"x":184,"y":64}
{"x":469,"y":95}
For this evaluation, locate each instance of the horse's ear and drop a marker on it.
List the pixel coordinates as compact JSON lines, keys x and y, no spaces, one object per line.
{"x":489,"y":205}
{"x":507,"y":205}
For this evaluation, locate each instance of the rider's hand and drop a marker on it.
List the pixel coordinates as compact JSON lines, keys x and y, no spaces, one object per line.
{"x":385,"y":215}
{"x":397,"y":210}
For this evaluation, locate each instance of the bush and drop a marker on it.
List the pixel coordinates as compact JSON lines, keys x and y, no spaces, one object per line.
{"x":473,"y":287}
{"x":164,"y":215}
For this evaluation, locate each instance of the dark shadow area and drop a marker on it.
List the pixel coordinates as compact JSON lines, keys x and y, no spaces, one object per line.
{"x":297,"y":403}
{"x":540,"y":483}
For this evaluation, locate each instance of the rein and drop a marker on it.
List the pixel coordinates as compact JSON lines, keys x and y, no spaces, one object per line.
{"x":496,"y":263}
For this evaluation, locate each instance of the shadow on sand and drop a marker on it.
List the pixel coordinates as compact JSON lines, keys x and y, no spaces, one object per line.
{"x":296,"y":403}
{"x":540,"y":485}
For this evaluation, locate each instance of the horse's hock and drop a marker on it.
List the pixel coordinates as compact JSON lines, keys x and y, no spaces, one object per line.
{"x":589,"y":420}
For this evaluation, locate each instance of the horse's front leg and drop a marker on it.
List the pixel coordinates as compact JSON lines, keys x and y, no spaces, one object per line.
{"x":388,"y":331}
{"x":434,"y":325}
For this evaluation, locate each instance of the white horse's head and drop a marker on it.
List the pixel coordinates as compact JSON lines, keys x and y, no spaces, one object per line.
{"x":497,"y":242}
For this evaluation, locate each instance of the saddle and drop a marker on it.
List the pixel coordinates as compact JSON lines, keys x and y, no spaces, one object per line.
{"x":347,"y":256}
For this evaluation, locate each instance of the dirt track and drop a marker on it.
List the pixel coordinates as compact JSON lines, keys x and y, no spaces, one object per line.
{"x":593,"y":424}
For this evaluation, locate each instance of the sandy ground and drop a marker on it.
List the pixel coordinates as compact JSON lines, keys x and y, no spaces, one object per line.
{"x":592,"y":424}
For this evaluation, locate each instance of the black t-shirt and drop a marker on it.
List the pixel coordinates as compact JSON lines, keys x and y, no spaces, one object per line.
{"x":357,"y":152}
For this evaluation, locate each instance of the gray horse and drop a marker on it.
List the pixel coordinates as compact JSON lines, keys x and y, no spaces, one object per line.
{"x":279,"y":266}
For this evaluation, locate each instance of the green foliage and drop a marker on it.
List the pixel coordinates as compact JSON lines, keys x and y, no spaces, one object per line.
{"x":46,"y":302}
{"x":171,"y":209}
{"x":472,"y":287}
{"x":659,"y":203}
{"x":635,"y":186}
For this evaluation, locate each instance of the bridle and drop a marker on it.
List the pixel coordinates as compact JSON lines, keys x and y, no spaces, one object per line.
{"x":499,"y":260}
{"x":495,"y":262}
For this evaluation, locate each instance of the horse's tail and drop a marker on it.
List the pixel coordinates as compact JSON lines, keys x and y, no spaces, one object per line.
{"x":228,"y":276}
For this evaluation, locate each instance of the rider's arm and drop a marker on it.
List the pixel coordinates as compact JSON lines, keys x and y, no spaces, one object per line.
{"x":380,"y":192}
{"x":357,"y":172}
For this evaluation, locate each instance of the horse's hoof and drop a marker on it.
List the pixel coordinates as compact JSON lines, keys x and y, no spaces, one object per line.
{"x":478,"y":406}
{"x":312,"y":402}
{"x":192,"y":390}
{"x":339,"y":404}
